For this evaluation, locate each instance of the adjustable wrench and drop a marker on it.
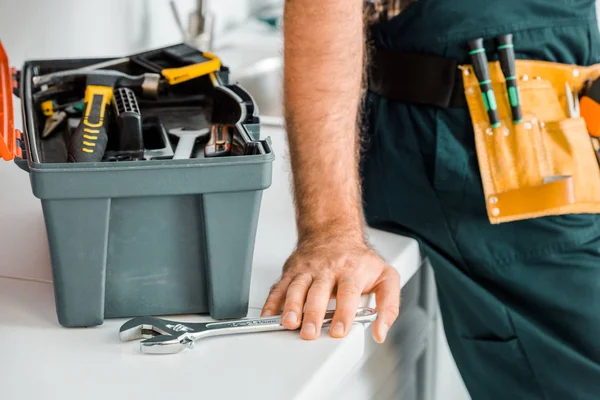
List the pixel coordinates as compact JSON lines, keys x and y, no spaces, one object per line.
{"x":169,"y":337}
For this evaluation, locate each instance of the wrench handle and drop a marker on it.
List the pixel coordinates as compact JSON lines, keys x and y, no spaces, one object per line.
{"x":184,"y":148}
{"x":363,"y":315}
{"x":256,"y":324}
{"x":243,"y":326}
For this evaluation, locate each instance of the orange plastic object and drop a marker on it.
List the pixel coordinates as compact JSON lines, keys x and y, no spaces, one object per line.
{"x":590,"y":111}
{"x":8,"y":142}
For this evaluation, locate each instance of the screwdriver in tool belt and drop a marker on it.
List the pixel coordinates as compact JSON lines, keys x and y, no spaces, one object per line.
{"x":506,"y":54}
{"x":480,"y":65}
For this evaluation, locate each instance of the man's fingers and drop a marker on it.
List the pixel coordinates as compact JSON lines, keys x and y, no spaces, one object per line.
{"x":294,"y":302}
{"x":276,"y":298}
{"x":387,"y":295}
{"x":316,"y":306}
{"x":347,"y":300}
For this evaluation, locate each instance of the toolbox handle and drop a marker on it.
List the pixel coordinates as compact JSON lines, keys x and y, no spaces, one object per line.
{"x":267,"y":144}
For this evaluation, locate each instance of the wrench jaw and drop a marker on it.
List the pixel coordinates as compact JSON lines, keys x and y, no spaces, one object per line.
{"x":144,"y":327}
{"x":162,"y":336}
{"x":135,"y":332}
{"x":166,"y":344}
{"x":135,"y":329}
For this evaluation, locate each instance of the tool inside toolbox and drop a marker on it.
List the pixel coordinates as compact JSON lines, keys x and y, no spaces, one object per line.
{"x":186,"y":116}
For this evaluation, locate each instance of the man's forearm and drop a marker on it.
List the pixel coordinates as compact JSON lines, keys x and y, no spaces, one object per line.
{"x":322,"y":79}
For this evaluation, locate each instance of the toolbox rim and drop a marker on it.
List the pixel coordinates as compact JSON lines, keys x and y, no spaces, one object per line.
{"x":158,"y":164}
{"x":22,"y":148}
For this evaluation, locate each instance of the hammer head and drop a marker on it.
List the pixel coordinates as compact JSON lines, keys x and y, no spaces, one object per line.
{"x":147,"y":83}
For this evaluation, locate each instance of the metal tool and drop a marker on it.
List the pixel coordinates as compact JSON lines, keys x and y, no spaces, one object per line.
{"x":183,"y":63}
{"x":506,"y":54}
{"x":53,"y":122}
{"x":572,"y":102}
{"x":58,"y":113}
{"x":220,"y":143}
{"x":149,"y":83}
{"x":480,"y":65}
{"x":53,"y":92}
{"x":169,"y":337}
{"x":187,"y":139}
{"x":45,"y":79}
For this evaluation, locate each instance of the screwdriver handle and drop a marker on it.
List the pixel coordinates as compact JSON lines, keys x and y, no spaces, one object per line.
{"x":480,"y":65}
{"x":506,"y":53}
{"x":88,"y":142}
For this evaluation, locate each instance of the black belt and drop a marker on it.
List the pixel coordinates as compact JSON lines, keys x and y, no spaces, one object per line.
{"x":416,"y":78}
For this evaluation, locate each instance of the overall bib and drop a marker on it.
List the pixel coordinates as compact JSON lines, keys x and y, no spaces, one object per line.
{"x":520,"y":301}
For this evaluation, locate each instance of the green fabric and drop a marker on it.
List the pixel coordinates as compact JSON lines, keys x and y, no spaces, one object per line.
{"x":520,"y":301}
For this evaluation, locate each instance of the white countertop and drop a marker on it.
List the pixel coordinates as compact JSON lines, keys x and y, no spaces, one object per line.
{"x":40,"y":357}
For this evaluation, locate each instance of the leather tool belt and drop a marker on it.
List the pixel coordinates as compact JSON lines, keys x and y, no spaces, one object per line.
{"x":545,"y":165}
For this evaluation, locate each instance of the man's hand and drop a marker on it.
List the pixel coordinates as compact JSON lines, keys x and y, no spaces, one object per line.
{"x":320,"y":269}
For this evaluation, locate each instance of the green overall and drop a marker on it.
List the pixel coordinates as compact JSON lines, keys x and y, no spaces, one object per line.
{"x":520,"y":301}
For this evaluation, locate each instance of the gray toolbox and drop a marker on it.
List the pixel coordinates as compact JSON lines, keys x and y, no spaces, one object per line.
{"x":150,"y":235}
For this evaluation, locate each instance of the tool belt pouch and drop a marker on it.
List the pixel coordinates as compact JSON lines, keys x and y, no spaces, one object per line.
{"x":545,"y":165}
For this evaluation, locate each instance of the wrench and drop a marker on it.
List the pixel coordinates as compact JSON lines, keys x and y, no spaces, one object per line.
{"x":187,"y":139}
{"x":170,"y":337}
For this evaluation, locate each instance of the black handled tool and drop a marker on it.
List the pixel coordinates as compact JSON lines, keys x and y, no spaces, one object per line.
{"x":129,"y":123}
{"x":126,"y":141}
{"x":506,"y":54}
{"x":480,"y":65}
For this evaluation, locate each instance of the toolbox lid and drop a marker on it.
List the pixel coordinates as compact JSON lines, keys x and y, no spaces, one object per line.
{"x":8,"y":134}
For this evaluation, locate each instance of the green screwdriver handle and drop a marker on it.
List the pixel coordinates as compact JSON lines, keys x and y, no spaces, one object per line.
{"x":480,"y":65}
{"x":506,"y":53}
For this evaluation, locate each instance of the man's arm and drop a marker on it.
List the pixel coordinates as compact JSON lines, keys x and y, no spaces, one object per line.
{"x":323,"y":71}
{"x":324,"y":57}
